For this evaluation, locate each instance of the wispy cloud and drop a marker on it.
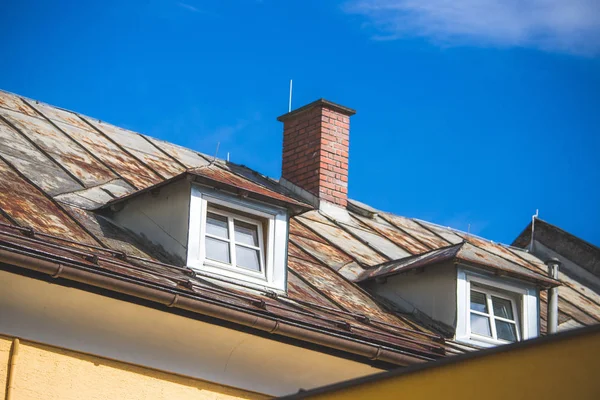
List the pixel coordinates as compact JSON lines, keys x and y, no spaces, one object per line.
{"x":188,"y":7}
{"x":568,"y":26}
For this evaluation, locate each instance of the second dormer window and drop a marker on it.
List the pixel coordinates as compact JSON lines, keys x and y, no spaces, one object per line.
{"x":234,"y":241}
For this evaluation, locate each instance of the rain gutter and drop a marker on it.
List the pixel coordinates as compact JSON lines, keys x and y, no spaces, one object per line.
{"x":185,"y":302}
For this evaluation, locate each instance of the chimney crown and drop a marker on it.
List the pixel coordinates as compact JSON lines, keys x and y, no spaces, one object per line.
{"x":315,"y":150}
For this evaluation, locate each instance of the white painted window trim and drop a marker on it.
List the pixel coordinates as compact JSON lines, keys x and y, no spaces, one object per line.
{"x":273,"y":275}
{"x":525,"y":299}
{"x":488,"y":293}
{"x":231,"y":217}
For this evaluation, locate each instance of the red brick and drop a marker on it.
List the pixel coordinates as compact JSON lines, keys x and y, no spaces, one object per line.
{"x":315,"y":152}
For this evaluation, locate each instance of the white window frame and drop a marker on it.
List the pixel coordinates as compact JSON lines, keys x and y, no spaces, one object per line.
{"x":488,"y":293}
{"x":231,"y":217}
{"x":271,"y":220}
{"x":525,"y":298}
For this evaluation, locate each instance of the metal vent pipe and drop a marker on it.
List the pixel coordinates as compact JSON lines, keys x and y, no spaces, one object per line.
{"x":552,"y":321}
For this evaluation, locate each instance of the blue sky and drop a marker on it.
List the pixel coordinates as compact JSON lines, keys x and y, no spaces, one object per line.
{"x":469,"y":112}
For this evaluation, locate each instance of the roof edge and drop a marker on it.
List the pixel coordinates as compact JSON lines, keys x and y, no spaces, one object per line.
{"x":185,"y":302}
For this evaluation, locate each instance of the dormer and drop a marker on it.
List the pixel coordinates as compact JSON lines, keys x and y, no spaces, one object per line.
{"x":219,"y":219}
{"x":475,"y":296}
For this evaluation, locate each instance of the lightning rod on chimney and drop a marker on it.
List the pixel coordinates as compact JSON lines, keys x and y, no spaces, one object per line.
{"x":290,"y":102}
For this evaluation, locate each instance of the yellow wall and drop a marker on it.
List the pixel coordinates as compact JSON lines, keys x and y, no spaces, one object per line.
{"x":562,"y":367}
{"x":45,"y":372}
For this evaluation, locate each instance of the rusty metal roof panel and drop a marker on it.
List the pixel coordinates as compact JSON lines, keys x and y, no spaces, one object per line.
{"x":88,"y":199}
{"x":407,"y":242}
{"x":341,"y":239}
{"x":318,"y":247}
{"x":30,"y":208}
{"x":95,"y":197}
{"x":59,"y":115}
{"x":141,"y":148}
{"x":342,"y":293}
{"x":13,"y":102}
{"x":126,"y":166}
{"x":478,"y":256}
{"x":259,"y":179}
{"x":62,"y":149}
{"x":421,"y":260}
{"x":496,"y":249}
{"x":187,"y":157}
{"x":300,"y":290}
{"x":447,"y":233}
{"x":34,"y":164}
{"x":111,"y":236}
{"x":415,"y":230}
{"x":219,"y":174}
{"x":378,"y":242}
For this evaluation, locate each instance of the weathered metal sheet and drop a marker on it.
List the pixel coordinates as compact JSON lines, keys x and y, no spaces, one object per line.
{"x":29,"y":207}
{"x":407,"y":242}
{"x":473,"y":254}
{"x":14,"y":103}
{"x":344,"y":294}
{"x":430,"y":258}
{"x":578,"y":314}
{"x":415,"y":230}
{"x":66,"y":152}
{"x":96,"y":197}
{"x":118,"y":188}
{"x":113,"y":237}
{"x":56,"y":114}
{"x":141,"y":148}
{"x":33,"y":163}
{"x":187,"y":157}
{"x":3,"y":219}
{"x":362,"y":209}
{"x":351,"y":271}
{"x":219,"y":174}
{"x":530,"y":258}
{"x":341,"y":239}
{"x":318,"y":247}
{"x":112,"y":156}
{"x":376,"y":241}
{"x":299,"y":290}
{"x":446,"y":233}
{"x":88,"y":199}
{"x":258,"y":179}
{"x":497,"y":249}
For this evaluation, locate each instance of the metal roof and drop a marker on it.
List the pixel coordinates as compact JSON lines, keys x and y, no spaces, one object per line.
{"x":57,"y":167}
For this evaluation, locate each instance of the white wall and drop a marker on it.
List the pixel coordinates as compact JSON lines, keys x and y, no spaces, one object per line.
{"x":94,"y":324}
{"x":160,"y":218}
{"x":432,"y":291}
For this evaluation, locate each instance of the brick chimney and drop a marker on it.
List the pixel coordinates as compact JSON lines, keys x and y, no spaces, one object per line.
{"x":315,"y":150}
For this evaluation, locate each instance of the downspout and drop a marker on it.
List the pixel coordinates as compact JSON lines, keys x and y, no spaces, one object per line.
{"x":552,"y":316}
{"x":12,"y":366}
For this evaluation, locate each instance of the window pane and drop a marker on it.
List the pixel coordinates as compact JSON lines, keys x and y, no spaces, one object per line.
{"x":506,"y":331}
{"x":480,"y":325}
{"x":478,"y":302}
{"x":247,"y":258}
{"x":217,"y":225}
{"x":502,"y":308}
{"x":217,"y":250}
{"x":246,"y":233}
